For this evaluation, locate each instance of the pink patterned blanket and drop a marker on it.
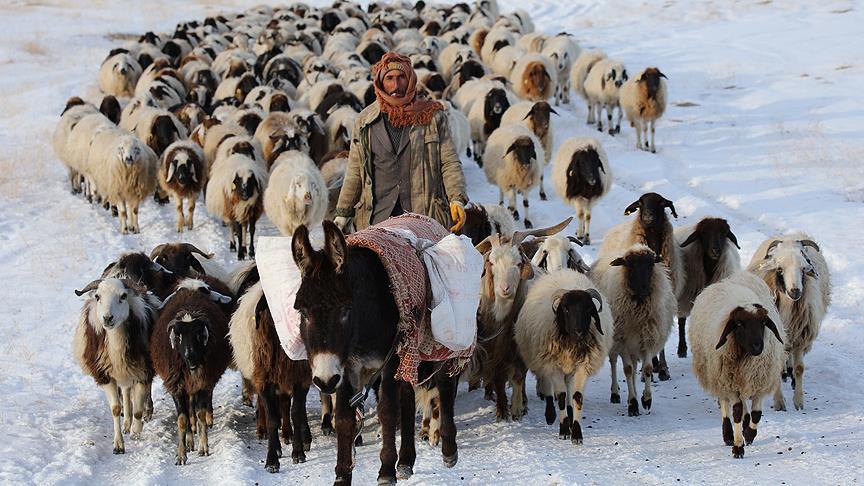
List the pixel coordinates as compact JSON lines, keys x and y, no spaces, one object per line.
{"x":409,"y":284}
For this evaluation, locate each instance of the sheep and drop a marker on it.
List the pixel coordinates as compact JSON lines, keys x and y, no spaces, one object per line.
{"x":124,"y":171}
{"x":156,"y":127}
{"x":709,"y":253}
{"x":216,"y":134}
{"x":485,"y":118}
{"x":643,"y":100}
{"x":183,"y":174}
{"x":296,"y":193}
{"x":513,"y":161}
{"x":506,"y":272}
{"x":494,"y":41}
{"x":460,"y":129}
{"x":190,"y":351}
{"x":797,"y":274}
{"x":602,"y":86}
{"x":187,"y":260}
{"x":274,"y":377}
{"x":111,"y":344}
{"x":339,"y":126}
{"x":583,"y":64}
{"x":63,"y":140}
{"x":535,"y":117}
{"x":533,"y":79}
{"x":555,"y":253}
{"x":735,"y":358}
{"x":505,"y":60}
{"x":236,"y":86}
{"x":119,"y":73}
{"x":563,"y":333}
{"x":190,"y":115}
{"x":451,"y":57}
{"x":532,"y":42}
{"x":430,"y":84}
{"x":248,"y":118}
{"x":333,"y":172}
{"x":582,"y":175}
{"x":139,"y":268}
{"x":562,"y":51}
{"x":234,"y":194}
{"x":278,"y":134}
{"x":643,"y":305}
{"x":484,"y":220}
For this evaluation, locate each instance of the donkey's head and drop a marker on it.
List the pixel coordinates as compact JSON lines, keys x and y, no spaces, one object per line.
{"x":324,"y":301}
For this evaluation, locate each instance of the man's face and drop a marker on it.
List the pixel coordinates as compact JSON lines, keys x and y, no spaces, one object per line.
{"x":395,"y":83}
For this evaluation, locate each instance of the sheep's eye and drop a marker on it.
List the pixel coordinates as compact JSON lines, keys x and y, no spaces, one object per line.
{"x":779,"y":271}
{"x":96,"y":297}
{"x":738,"y":324}
{"x":123,"y":297}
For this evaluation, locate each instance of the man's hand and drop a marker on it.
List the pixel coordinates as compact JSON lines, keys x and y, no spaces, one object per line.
{"x":342,"y":223}
{"x":457,"y":214}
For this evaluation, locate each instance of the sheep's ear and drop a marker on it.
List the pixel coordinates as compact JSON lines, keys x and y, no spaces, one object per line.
{"x":552,"y":110}
{"x":771,"y":248}
{"x":510,"y":149}
{"x":334,"y":245}
{"x":811,"y":272}
{"x":556,"y":300}
{"x":733,"y":239}
{"x":618,"y":262}
{"x":193,"y":172}
{"x":206,"y":334}
{"x":526,"y":270}
{"x":575,"y":240}
{"x":671,"y":207}
{"x":773,"y":327}
{"x":692,"y":239}
{"x":171,"y":167}
{"x":632,"y":208}
{"x":730,"y":326}
{"x":661,"y":74}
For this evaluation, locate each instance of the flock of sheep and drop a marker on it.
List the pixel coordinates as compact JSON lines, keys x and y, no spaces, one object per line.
{"x":256,"y":111}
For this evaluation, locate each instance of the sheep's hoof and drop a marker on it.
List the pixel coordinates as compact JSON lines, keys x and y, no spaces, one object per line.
{"x":611,"y":132}
{"x":799,"y":404}
{"x":424,"y":435}
{"x":135,"y":436}
{"x":749,"y":435}
{"x":550,"y":411}
{"x":181,"y":460}
{"x":542,"y":196}
{"x":663,"y":374}
{"x":653,"y":150}
{"x":727,"y":432}
{"x":615,"y":398}
{"x":120,"y":450}
{"x":682,"y":351}
{"x":576,"y":434}
{"x":489,"y":395}
{"x":326,"y":427}
{"x":272,"y":468}
{"x":232,"y":246}
{"x":618,"y":129}
{"x":251,"y":252}
{"x":599,"y":127}
{"x":386,"y":481}
{"x":340,"y":480}
{"x":204,"y":452}
{"x":298,"y":457}
{"x":528,"y":224}
{"x":502,"y":415}
{"x":160,"y":200}
{"x":450,"y":461}
{"x":404,"y":471}
{"x":738,"y":452}
{"x":646,"y":403}
{"x":633,"y":408}
{"x":515,"y":213}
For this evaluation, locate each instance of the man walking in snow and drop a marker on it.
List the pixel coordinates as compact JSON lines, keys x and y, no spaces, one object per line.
{"x":402,"y":158}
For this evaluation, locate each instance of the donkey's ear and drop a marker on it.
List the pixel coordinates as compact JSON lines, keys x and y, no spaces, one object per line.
{"x":301,"y":249}
{"x":334,"y":245}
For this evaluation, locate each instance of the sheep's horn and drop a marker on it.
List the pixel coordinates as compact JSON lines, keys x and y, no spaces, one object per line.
{"x":91,"y":286}
{"x":596,"y":295}
{"x":521,"y":235}
{"x":771,"y":248}
{"x":573,"y":239}
{"x":195,"y":249}
{"x":156,"y":251}
{"x":810,"y":243}
{"x":487,"y":243}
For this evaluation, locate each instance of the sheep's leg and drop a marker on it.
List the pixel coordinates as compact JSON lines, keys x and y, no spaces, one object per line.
{"x":663,"y":367}
{"x":727,"y":422}
{"x":609,"y":109}
{"x":407,"y":450}
{"x":447,"y":396}
{"x":148,"y":409}
{"x":237,"y":232}
{"x":586,"y":237}
{"x":426,"y":421}
{"x":247,"y":392}
{"x":190,"y":211}
{"x":630,"y":374}
{"x":647,"y":370}
{"x":599,"y":108}
{"x":180,"y":220}
{"x":540,"y":387}
{"x":779,"y":402}
{"x":737,"y":429}
{"x":298,"y":417}
{"x":620,"y":116}
{"x":653,"y":147}
{"x":326,"y":414}
{"x":191,"y":423}
{"x":518,"y":408}
{"x":528,"y":224}
{"x":271,"y":409}
{"x":542,"y":190}
{"x":346,"y":430}
{"x":435,"y":423}
{"x":132,"y":209}
{"x":232,"y":241}
{"x":126,"y":395}
{"x":260,"y":418}
{"x":139,"y":392}
{"x":112,"y":393}
{"x":512,"y":205}
{"x":798,"y":379}
{"x":682,"y":337}
{"x":502,"y":413}
{"x":251,"y":239}
{"x":576,"y":389}
{"x":121,"y":207}
{"x":751,"y":420}
{"x":615,"y":397}
{"x":638,"y":126}
{"x":591,"y":120}
{"x":200,"y":400}
{"x":500,"y":196}
{"x":544,"y":389}
{"x":787,"y":371}
{"x":388,"y":414}
{"x":181,"y":404}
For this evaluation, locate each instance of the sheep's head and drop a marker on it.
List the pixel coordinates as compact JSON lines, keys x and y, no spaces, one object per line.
{"x":250,"y":121}
{"x":110,"y":302}
{"x":300,"y":192}
{"x":651,"y":207}
{"x":584,"y":173}
{"x":712,"y":235}
{"x":180,"y":165}
{"x":189,"y":334}
{"x":616,"y":75}
{"x":523,"y":151}
{"x":162,"y":134}
{"x":495,"y":103}
{"x":747,"y":325}
{"x":245,"y":184}
{"x":139,"y":268}
{"x":558,"y":252}
{"x":576,"y":310}
{"x":537,"y":79}
{"x":788,"y":261}
{"x":179,"y":258}
{"x":307,"y":122}
{"x":638,"y":264}
{"x":279,"y":102}
{"x":470,"y":69}
{"x":540,"y":117}
{"x":129,"y":150}
{"x":287,"y":140}
{"x":651,"y":78}
{"x":246,"y":84}
{"x":372,"y":52}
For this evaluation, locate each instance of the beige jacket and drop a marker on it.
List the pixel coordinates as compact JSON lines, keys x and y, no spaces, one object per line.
{"x":436,"y":175}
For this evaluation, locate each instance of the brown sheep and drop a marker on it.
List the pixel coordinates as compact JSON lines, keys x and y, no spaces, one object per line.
{"x":183,"y":175}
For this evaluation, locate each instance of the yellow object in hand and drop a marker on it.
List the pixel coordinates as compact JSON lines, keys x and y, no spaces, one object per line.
{"x":457,"y":214}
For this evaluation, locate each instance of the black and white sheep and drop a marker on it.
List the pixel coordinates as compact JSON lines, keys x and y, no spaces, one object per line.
{"x":513,"y":161}
{"x":536,"y":116}
{"x":484,"y":220}
{"x":737,"y":339}
{"x":795,"y":270}
{"x":119,"y":73}
{"x":556,"y":252}
{"x":582,"y":176}
{"x":579,"y":73}
{"x":183,"y":175}
{"x":602,"y":87}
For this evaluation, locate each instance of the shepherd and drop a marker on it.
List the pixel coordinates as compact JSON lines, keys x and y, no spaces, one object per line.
{"x":402,"y":158}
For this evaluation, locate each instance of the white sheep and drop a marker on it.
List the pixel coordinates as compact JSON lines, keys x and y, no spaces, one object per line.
{"x":795,"y":270}
{"x":505,"y":60}
{"x":494,"y":41}
{"x":643,"y":100}
{"x":296,"y":193}
{"x":602,"y":86}
{"x":124,"y":171}
{"x":643,"y":305}
{"x":460,"y":129}
{"x":339,"y":126}
{"x":62,"y":139}
{"x":563,"y":334}
{"x":513,"y":161}
{"x":534,"y":77}
{"x":537,"y":118}
{"x":709,"y":253}
{"x":532,"y":42}
{"x":562,"y":50}
{"x":119,"y":74}
{"x":556,"y":253}
{"x":583,"y":64}
{"x":234,"y":194}
{"x":737,"y":339}
{"x":582,"y":175}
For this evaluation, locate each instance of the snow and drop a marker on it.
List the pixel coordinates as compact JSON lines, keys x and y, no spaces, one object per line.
{"x":764,"y":128}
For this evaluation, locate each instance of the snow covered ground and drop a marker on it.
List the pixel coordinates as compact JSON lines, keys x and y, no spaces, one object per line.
{"x":765,"y":128}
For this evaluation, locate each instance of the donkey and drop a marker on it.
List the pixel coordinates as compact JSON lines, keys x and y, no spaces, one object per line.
{"x":349,"y":324}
